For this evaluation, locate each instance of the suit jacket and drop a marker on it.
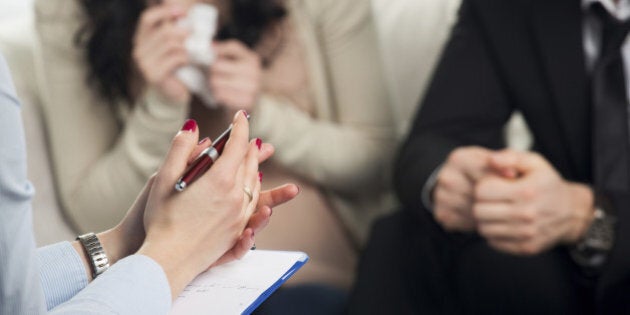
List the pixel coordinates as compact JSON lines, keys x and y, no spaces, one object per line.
{"x":503,"y":56}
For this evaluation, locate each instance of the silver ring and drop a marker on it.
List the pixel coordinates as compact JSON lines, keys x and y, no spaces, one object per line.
{"x":248,"y":192}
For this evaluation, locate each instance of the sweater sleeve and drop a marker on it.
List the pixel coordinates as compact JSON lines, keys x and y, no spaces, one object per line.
{"x":100,"y":162}
{"x":348,"y":147}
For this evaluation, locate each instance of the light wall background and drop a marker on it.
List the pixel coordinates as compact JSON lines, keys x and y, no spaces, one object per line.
{"x":13,"y":8}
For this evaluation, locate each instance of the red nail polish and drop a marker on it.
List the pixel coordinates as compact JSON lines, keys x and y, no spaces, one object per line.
{"x":258,"y":143}
{"x":190,"y":125}
{"x":260,"y":176}
{"x":245,"y":114}
{"x":204,"y":140}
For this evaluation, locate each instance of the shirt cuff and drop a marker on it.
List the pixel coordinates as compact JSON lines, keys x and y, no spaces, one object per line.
{"x":134,"y":285}
{"x":61,"y":273}
{"x":427,"y":189}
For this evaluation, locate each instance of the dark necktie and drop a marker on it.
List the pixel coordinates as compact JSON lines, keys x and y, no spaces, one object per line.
{"x":610,"y":107}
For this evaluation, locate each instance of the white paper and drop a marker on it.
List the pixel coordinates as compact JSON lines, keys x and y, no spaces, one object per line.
{"x":233,"y":287}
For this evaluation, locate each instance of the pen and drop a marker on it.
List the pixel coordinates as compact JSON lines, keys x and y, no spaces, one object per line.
{"x":205,"y":160}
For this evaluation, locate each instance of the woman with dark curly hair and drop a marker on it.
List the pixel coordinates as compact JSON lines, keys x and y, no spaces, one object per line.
{"x":308,"y":71}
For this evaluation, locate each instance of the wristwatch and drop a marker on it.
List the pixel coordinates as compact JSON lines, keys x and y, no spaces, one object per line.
{"x":95,"y":252}
{"x":592,"y":250}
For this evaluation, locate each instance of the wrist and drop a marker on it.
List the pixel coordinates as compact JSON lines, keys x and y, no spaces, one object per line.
{"x":179,"y":270}
{"x":84,"y":258}
{"x":93,"y":255}
{"x":583,"y":205}
{"x":116,"y":246}
{"x":592,"y":250}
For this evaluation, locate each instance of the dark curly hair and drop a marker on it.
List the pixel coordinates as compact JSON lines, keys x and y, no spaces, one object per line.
{"x":108,"y":32}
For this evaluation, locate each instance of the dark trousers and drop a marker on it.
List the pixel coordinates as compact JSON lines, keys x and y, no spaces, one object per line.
{"x":411,"y":266}
{"x":305,"y":299}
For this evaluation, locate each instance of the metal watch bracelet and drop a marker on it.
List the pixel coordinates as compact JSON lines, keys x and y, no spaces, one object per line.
{"x":95,"y":252}
{"x":593,"y":249}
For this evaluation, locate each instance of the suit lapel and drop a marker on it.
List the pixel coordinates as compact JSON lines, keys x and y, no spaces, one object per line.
{"x":558,"y":30}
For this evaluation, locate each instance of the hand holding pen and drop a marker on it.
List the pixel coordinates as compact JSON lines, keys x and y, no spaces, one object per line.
{"x":266,"y":200}
{"x":205,"y":160}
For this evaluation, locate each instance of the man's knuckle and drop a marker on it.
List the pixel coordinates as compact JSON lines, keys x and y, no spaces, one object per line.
{"x":527,"y":193}
{"x":530,"y":248}
{"x":440,"y":215}
{"x":438,"y":196}
{"x":458,"y":156}
{"x":528,"y":232}
{"x":483,"y":230}
{"x":448,"y":179}
{"x":476,"y":210}
{"x":527,"y":216}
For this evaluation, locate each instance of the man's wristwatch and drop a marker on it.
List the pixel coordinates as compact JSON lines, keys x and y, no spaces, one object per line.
{"x":95,"y":252}
{"x":592,"y":250}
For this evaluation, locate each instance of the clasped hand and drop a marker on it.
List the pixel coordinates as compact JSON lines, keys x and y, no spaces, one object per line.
{"x":213,"y":221}
{"x":517,"y":201}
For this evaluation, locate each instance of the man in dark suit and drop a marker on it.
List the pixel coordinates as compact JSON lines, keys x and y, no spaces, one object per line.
{"x":493,"y":231}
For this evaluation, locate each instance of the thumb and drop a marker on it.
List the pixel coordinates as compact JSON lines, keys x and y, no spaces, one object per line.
{"x":507,"y":163}
{"x":182,"y":146}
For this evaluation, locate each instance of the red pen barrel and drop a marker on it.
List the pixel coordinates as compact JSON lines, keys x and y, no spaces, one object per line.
{"x":204,"y":161}
{"x":200,"y":166}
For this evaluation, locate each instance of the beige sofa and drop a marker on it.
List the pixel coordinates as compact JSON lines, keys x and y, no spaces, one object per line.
{"x":412,"y":33}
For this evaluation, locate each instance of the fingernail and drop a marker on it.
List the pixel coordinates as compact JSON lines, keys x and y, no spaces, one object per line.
{"x":190,"y":125}
{"x":245,"y":114}
{"x":260,"y":176}
{"x":258,"y":143}
{"x":204,"y":140}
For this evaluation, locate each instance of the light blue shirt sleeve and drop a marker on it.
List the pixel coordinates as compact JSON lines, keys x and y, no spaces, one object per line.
{"x":61,"y":272}
{"x":134,"y":285}
{"x":20,"y":290}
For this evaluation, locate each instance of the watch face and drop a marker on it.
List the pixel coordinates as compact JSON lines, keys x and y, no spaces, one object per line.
{"x":600,"y":235}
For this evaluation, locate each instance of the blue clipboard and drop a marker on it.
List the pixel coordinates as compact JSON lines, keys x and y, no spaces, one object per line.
{"x":265,"y":295}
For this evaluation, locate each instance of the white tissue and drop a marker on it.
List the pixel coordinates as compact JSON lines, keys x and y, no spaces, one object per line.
{"x":202,"y":22}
